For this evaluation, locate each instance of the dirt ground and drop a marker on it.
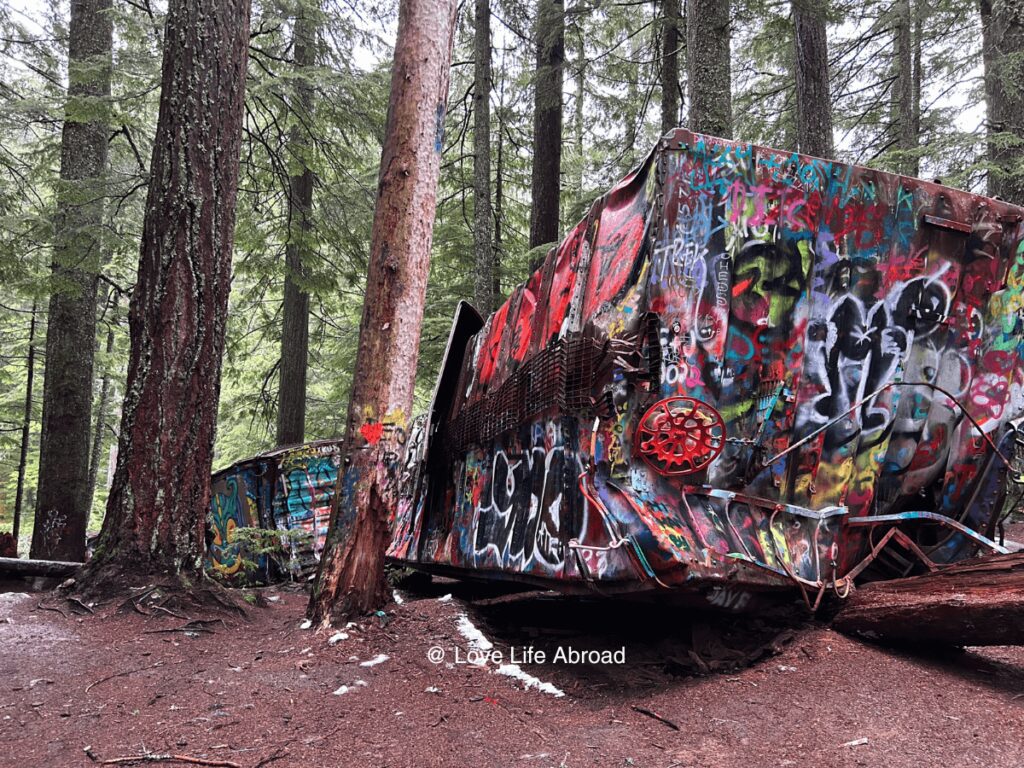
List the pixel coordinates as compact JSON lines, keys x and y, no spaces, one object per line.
{"x":78,"y":688}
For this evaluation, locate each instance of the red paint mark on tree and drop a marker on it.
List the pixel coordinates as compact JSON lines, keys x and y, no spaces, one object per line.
{"x":372,"y":432}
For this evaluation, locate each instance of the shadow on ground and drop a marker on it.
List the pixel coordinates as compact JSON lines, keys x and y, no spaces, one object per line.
{"x":626,"y":646}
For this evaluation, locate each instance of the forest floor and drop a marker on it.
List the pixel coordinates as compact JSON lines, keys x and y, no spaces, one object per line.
{"x":80,"y":688}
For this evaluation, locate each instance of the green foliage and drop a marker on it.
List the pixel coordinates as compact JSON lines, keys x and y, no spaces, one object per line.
{"x":260,"y":545}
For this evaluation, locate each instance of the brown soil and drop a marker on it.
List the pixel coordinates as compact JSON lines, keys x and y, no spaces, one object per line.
{"x":260,"y":691}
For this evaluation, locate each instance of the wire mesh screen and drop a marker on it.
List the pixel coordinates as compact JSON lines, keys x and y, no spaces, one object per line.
{"x":561,"y":376}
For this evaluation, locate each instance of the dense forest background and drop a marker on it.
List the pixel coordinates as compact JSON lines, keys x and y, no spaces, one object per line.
{"x":904,"y":89}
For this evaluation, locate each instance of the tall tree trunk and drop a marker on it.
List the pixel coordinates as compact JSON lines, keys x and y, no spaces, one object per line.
{"x":19,"y":494}
{"x":499,"y":191}
{"x":918,"y":77}
{"x":670,"y":91}
{"x":112,"y":451}
{"x":483,"y":222}
{"x":291,"y":403}
{"x":101,"y":412}
{"x":579,"y":117}
{"x":813,"y":96}
{"x":352,"y":565}
{"x":161,"y":489}
{"x":634,"y":95}
{"x":62,"y":499}
{"x":547,"y":122}
{"x":904,"y":109}
{"x":1003,"y":47}
{"x":708,"y":57}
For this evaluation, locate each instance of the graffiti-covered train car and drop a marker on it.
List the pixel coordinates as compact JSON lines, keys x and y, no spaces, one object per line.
{"x":744,"y":369}
{"x":288,"y":490}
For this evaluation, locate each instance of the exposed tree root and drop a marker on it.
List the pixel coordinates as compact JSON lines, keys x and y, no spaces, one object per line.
{"x":195,"y":625}
{"x":164,"y":592}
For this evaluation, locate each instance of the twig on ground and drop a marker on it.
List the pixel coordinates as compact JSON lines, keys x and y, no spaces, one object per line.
{"x":151,"y":758}
{"x":195,"y":625}
{"x":656,"y":716}
{"x":268,"y":760}
{"x":50,"y":608}
{"x":122,"y":674}
{"x":185,"y":628}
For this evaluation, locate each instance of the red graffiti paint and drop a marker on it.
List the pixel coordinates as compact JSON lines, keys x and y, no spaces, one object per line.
{"x":563,"y":281}
{"x":489,"y":350}
{"x":372,"y":432}
{"x":619,"y":232}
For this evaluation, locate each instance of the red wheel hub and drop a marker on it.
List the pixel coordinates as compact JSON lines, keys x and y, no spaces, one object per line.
{"x":680,"y":435}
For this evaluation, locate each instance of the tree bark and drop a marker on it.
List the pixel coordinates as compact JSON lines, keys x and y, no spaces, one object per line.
{"x":579,"y":117}
{"x":708,"y":57}
{"x":161,"y":489}
{"x":670,"y":90}
{"x":291,"y":403}
{"x":813,"y":96}
{"x":62,"y":498}
{"x":19,"y":494}
{"x":547,"y":122}
{"x":976,"y":602}
{"x":499,"y":191}
{"x":101,"y":414}
{"x":351,"y":570}
{"x":483,"y":222}
{"x":905,"y":110}
{"x":1003,"y":54}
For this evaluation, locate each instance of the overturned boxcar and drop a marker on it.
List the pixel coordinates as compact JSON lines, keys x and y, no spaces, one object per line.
{"x":288,"y":490}
{"x":744,"y":370}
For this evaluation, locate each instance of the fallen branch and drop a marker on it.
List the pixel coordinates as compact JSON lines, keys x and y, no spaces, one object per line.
{"x":196,"y":625}
{"x":122,"y":674}
{"x":24,"y":567}
{"x":656,"y":716}
{"x":514,"y":597}
{"x":133,"y":601}
{"x":169,"y":759}
{"x":973,"y":602}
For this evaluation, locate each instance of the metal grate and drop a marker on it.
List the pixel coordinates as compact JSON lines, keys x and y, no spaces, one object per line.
{"x":563,"y":375}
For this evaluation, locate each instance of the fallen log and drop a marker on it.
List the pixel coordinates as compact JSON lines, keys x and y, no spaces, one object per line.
{"x":21,"y":567}
{"x":976,"y":602}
